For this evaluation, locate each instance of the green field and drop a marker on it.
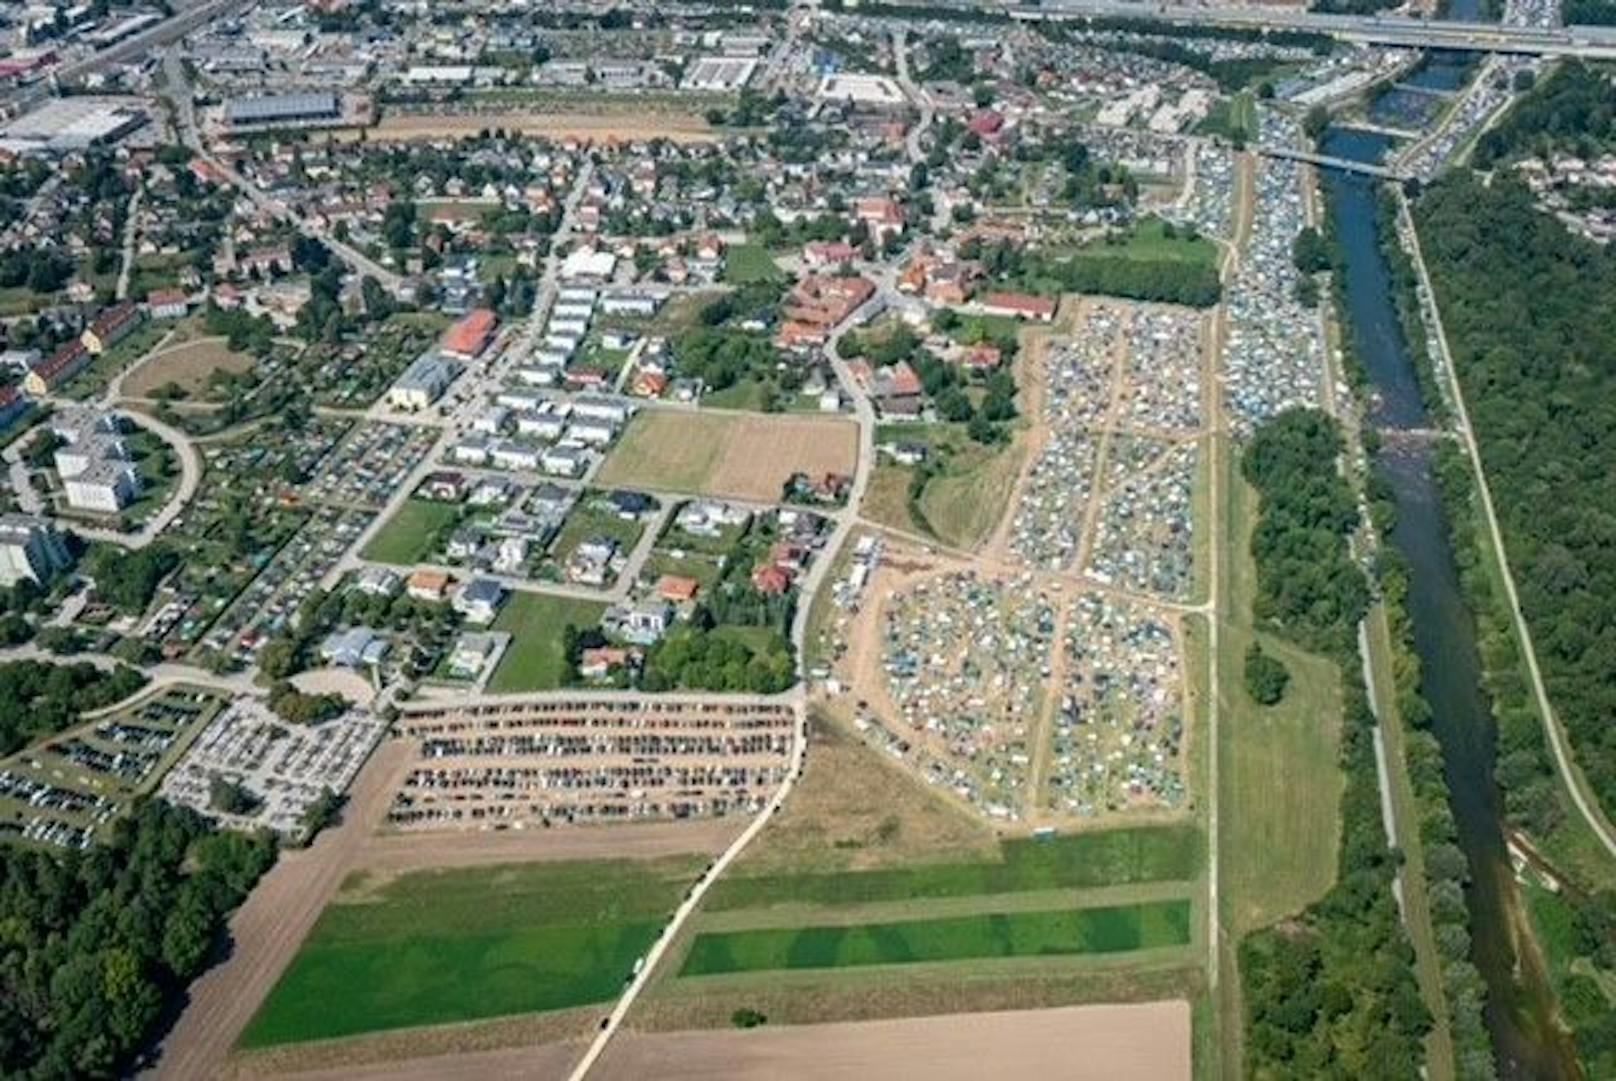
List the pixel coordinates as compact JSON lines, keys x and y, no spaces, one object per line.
{"x":1149,"y":241}
{"x":1100,"y":858}
{"x":745,"y":263}
{"x":995,"y":934}
{"x":412,"y":533}
{"x":435,"y":947}
{"x":1279,"y":769}
{"x":536,"y":622}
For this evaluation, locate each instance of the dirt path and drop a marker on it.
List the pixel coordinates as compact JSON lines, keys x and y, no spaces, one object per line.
{"x":267,"y":930}
{"x":1147,"y":1042}
{"x":394,"y":854}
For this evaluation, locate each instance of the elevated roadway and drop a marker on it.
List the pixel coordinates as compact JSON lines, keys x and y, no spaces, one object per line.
{"x":1589,"y":42}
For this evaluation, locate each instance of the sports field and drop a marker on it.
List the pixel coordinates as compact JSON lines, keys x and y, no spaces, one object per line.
{"x":727,"y":454}
{"x":536,"y":659}
{"x":1075,"y":861}
{"x":442,"y":946}
{"x":990,"y":934}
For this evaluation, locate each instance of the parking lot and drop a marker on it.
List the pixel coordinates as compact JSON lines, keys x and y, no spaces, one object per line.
{"x":547,"y":763}
{"x":66,"y":791}
{"x":286,"y":767}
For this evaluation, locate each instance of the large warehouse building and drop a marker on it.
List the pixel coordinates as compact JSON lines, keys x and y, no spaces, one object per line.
{"x":283,"y":110}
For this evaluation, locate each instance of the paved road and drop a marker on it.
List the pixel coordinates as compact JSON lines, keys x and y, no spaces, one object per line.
{"x":131,"y":230}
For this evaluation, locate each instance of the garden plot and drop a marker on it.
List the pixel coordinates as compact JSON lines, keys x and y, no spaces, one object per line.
{"x":965,"y":659}
{"x":1118,"y":736}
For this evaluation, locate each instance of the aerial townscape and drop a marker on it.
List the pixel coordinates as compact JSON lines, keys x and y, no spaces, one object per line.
{"x":825,"y":539}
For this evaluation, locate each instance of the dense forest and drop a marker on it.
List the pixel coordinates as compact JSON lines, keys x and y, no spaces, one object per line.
{"x":38,"y":698}
{"x":97,"y":945}
{"x":1330,"y":993}
{"x":1530,"y":313}
{"x":1573,"y":110}
{"x":1307,"y":585}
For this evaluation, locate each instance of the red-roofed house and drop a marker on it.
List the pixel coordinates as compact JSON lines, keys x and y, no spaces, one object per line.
{"x":57,"y":368}
{"x":771,"y":580}
{"x":828,"y":253}
{"x":883,"y":216}
{"x":468,"y":338}
{"x":677,"y":588}
{"x":1020,"y":305}
{"x":111,"y":327}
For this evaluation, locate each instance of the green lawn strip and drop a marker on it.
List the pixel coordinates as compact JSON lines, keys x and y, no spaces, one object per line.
{"x":1005,"y":934}
{"x":536,"y":659}
{"x":1100,"y":858}
{"x":412,"y":533}
{"x":442,"y":946}
{"x":745,"y":394}
{"x":808,"y":914}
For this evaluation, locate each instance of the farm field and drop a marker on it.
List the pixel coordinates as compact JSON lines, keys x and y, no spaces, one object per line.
{"x":563,"y":122}
{"x":990,"y":934}
{"x":1071,"y":861}
{"x":536,"y":659}
{"x":188,"y":367}
{"x":727,"y":454}
{"x":442,"y":946}
{"x":1148,"y":1041}
{"x":411,"y":534}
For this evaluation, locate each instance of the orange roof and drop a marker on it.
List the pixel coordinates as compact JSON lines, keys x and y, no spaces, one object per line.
{"x":428,"y":581}
{"x":470,"y":336}
{"x":677,"y":588}
{"x":1021,"y":303}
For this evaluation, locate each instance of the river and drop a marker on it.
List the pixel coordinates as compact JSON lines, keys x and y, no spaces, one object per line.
{"x":1520,"y":1004}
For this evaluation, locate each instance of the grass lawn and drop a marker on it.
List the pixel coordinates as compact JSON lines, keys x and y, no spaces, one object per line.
{"x":1149,"y":241}
{"x":745,"y":263}
{"x":1069,"y":861}
{"x":964,"y":502}
{"x":745,"y":394}
{"x":1278,"y":766}
{"x":536,"y":659}
{"x":588,"y":521}
{"x":412,"y":533}
{"x":434,"y":947}
{"x":998,"y":934}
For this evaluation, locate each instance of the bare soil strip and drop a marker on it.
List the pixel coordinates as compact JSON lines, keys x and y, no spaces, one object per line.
{"x":1148,"y":1042}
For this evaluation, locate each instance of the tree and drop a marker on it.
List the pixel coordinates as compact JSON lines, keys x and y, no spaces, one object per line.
{"x":1317,"y":119}
{"x":1266,"y":676}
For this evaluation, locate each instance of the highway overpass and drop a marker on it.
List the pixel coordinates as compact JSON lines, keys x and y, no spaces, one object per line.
{"x":1592,"y":42}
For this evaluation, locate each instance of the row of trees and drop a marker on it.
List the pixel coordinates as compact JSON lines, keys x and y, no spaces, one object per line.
{"x":1191,"y":282}
{"x":1330,"y":992}
{"x":99,"y":945}
{"x":1445,"y":867}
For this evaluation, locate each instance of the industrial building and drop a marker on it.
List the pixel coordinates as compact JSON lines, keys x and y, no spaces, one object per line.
{"x":283,"y":110}
{"x":68,"y":125}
